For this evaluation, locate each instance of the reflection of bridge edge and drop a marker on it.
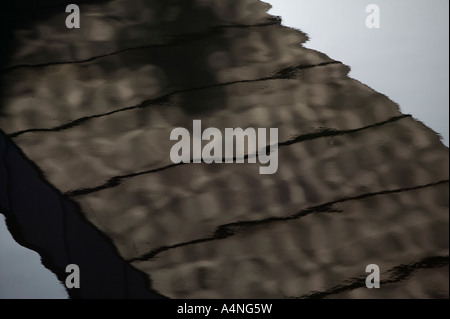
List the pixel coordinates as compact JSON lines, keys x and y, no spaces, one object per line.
{"x":115,"y":279}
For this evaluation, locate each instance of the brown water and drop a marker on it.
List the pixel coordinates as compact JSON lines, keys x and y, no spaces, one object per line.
{"x":357,"y":183}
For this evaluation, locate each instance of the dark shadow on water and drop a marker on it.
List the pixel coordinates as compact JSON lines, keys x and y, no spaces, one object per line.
{"x":40,"y":218}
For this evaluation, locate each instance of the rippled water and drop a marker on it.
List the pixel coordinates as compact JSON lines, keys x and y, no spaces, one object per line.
{"x":358,"y":182}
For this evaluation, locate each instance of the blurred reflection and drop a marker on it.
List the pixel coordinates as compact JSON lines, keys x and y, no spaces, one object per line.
{"x":358,"y":182}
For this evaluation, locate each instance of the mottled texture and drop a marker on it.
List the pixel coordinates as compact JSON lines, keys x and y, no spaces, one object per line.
{"x":357,"y":183}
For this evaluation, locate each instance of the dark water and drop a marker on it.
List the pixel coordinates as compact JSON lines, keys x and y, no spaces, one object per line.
{"x":92,"y":109}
